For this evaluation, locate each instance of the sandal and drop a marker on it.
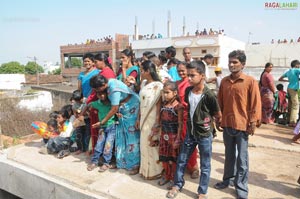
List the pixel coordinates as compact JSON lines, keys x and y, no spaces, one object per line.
{"x":163,"y":181}
{"x":173,"y":192}
{"x":91,"y":167}
{"x":134,"y":171}
{"x":104,"y":167}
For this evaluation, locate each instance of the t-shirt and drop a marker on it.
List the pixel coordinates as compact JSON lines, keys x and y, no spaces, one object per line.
{"x":103,"y":110}
{"x":194,"y":100}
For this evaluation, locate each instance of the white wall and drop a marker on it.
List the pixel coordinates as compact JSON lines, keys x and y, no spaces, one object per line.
{"x":11,"y":81}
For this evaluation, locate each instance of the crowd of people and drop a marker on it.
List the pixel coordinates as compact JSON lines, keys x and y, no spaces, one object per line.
{"x":209,"y":32}
{"x":285,"y":41}
{"x":151,"y":115}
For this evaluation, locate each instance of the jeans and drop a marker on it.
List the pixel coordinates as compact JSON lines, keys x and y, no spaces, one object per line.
{"x":205,"y":151}
{"x":105,"y":144}
{"x":235,"y":139}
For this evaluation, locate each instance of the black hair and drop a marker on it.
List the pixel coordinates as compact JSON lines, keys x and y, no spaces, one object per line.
{"x":128,"y":53}
{"x":102,"y":57}
{"x":238,"y":54}
{"x":173,"y":61}
{"x":98,"y":81}
{"x":173,"y":87}
{"x":171,"y":50}
{"x":53,"y":122}
{"x":294,"y":63}
{"x":162,"y":57}
{"x":279,"y":87}
{"x":198,"y":65}
{"x":208,"y":56}
{"x":66,"y":111}
{"x":150,"y":66}
{"x":181,"y":63}
{"x":53,"y":115}
{"x":149,"y":54}
{"x":88,"y":55}
{"x":77,"y":95}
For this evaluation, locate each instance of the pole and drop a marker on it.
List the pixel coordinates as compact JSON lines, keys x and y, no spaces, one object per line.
{"x":37,"y":71}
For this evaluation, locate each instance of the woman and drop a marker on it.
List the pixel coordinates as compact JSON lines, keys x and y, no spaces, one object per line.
{"x":192,"y":165}
{"x":102,"y":64}
{"x":128,"y":71}
{"x":150,"y":94}
{"x":267,"y":90}
{"x":84,"y":86}
{"x":125,"y":103}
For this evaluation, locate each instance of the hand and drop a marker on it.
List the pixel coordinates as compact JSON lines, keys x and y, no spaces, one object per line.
{"x":137,"y":125}
{"x":251,"y":128}
{"x":96,"y":125}
{"x":177,"y":142}
{"x":218,"y":126}
{"x":130,"y":81}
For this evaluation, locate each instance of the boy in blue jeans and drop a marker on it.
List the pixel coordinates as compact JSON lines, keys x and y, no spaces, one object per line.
{"x":203,"y":109}
{"x":107,"y":133}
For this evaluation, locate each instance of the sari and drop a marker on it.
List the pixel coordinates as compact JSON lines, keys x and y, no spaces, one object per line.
{"x":267,"y":98}
{"x":127,"y":143}
{"x":150,"y":94}
{"x":129,"y":71}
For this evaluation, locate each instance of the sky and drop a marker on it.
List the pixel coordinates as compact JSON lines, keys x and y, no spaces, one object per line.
{"x":39,"y":27}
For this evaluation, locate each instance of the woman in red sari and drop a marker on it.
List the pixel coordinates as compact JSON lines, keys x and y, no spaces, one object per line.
{"x":101,"y":63}
{"x":267,"y":90}
{"x":192,"y":165}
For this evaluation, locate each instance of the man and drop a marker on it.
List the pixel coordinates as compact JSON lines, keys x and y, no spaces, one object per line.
{"x":186,"y":52}
{"x":240,"y":104}
{"x":207,"y":60}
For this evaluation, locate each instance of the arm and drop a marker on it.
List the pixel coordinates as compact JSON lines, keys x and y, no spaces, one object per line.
{"x":254,"y":113}
{"x":282,"y":79}
{"x":112,"y":112}
{"x":79,"y":85}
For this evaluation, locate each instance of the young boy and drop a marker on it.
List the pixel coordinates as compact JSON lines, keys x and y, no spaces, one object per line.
{"x":281,"y":104}
{"x":107,"y":133}
{"x":203,"y":109}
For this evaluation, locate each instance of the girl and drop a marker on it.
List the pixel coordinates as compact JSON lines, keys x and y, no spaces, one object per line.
{"x":171,"y":117}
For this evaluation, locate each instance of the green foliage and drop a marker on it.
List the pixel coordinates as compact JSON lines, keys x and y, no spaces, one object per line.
{"x":55,"y":72}
{"x":12,"y":68}
{"x":31,"y":67}
{"x":75,"y":63}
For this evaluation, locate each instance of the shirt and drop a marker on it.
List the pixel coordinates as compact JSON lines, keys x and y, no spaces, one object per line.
{"x":103,"y":110}
{"x":240,"y":102}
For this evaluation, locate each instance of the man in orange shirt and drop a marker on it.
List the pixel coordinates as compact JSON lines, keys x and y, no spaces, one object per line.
{"x":240,"y":104}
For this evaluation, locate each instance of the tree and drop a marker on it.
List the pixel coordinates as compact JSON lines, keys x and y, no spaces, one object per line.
{"x":30,"y":68}
{"x":12,"y":68}
{"x":75,"y":63}
{"x":55,"y":72}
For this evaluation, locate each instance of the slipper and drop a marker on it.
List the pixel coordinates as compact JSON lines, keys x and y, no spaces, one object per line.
{"x":104,"y":167}
{"x":91,"y":167}
{"x":163,"y":181}
{"x":172,"y":193}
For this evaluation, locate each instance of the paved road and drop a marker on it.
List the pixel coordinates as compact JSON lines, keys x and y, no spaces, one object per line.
{"x":273,"y":171}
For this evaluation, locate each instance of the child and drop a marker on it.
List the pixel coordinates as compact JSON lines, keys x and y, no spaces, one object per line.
{"x":60,"y":144}
{"x":52,"y":127}
{"x":281,"y":104}
{"x":171,"y":117}
{"x":203,"y":108}
{"x":107,"y":133}
{"x":82,"y":131}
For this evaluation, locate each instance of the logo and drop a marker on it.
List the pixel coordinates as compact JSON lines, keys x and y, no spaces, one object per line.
{"x":281,"y":5}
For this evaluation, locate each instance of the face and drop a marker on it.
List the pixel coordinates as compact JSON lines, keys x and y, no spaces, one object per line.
{"x":50,"y":128}
{"x":144,"y":74}
{"x":208,"y":61}
{"x":234,"y":65}
{"x":87,"y":63}
{"x":60,"y":119}
{"x":125,"y":60}
{"x":195,"y":78}
{"x":187,"y":54}
{"x":269,"y":69}
{"x":102,"y":96}
{"x":169,"y":94}
{"x":99,"y":64}
{"x":182,"y":71}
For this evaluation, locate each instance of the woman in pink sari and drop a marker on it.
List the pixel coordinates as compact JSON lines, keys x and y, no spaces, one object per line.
{"x":267,"y":90}
{"x":192,"y":165}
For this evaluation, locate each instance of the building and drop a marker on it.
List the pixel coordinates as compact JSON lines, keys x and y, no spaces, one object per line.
{"x":111,"y":47}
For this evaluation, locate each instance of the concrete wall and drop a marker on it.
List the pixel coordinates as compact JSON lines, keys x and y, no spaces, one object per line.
{"x":11,"y":81}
